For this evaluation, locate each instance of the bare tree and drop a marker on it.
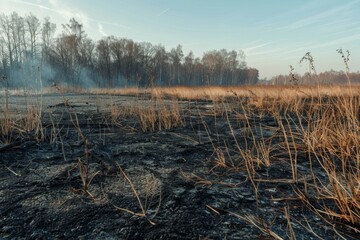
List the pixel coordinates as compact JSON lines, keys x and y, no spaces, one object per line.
{"x":117,"y":47}
{"x":6,"y":26}
{"x":3,"y":57}
{"x":104,"y":60}
{"x":33,"y":29}
{"x":86,"y":53}
{"x":18,"y":37}
{"x":189,"y":67}
{"x":176,"y":56}
{"x":147,"y":51}
{"x":232,"y":64}
{"x":111,"y":61}
{"x":160,"y":63}
{"x":47,"y":34}
{"x":209,"y":62}
{"x":67,"y":50}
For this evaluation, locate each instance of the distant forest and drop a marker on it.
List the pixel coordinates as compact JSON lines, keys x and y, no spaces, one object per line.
{"x":30,"y":53}
{"x":327,"y":77}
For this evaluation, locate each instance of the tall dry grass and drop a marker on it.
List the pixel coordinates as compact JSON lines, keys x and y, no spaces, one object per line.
{"x":257,"y":92}
{"x":318,"y":125}
{"x":314,"y":124}
{"x":15,"y":125}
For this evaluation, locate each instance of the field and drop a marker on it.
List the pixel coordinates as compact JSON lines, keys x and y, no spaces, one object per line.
{"x":254,"y":162}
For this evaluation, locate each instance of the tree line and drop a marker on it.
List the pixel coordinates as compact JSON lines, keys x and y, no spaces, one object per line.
{"x":31,"y":53}
{"x":327,"y":77}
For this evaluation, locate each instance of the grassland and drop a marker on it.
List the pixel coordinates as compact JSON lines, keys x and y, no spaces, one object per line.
{"x":246,"y":162}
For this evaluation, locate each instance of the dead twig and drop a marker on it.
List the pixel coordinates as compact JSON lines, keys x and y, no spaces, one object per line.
{"x":13,"y":172}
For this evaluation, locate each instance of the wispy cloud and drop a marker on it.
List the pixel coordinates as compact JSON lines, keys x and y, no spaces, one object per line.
{"x":101,"y":30}
{"x":67,"y":13}
{"x":163,"y":12}
{"x":84,"y":18}
{"x":31,"y":4}
{"x":267,"y":52}
{"x":250,"y":49}
{"x":323,"y":17}
{"x":336,"y":43}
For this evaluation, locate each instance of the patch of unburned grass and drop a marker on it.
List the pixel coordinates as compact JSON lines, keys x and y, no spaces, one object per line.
{"x":317,"y":124}
{"x":259,"y":92}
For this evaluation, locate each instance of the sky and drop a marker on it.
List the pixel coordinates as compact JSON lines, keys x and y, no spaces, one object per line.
{"x":272,"y":33}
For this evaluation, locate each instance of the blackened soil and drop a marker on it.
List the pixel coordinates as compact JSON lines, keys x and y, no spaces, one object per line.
{"x":185,"y":192}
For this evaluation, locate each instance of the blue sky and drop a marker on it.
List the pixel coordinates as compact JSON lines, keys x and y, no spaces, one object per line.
{"x":273,"y":33}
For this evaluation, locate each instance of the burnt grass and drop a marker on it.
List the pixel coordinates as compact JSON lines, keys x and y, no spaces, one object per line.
{"x":184,"y":192}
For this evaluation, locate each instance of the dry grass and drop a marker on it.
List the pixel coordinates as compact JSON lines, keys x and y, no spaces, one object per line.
{"x":152,"y":114}
{"x":150,"y":189}
{"x":315,"y":124}
{"x":14,"y":125}
{"x":320,"y":126}
{"x":257,"y":93}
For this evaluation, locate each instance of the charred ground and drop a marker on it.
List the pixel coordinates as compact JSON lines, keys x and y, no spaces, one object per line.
{"x":191,"y":179}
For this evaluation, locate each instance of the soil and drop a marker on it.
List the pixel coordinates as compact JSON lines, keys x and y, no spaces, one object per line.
{"x":175,"y":173}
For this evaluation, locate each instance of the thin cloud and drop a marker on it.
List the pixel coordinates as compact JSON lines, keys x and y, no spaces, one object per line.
{"x":267,"y":52}
{"x":320,"y":17}
{"x":250,"y":49}
{"x":110,"y":23}
{"x":339,"y":41}
{"x":335,"y":42}
{"x":101,"y":30}
{"x":346,"y":30}
{"x":67,"y":13}
{"x":32,"y":4}
{"x":163,"y":12}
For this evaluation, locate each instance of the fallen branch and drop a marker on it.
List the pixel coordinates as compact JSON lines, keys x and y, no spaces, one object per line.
{"x":13,"y":172}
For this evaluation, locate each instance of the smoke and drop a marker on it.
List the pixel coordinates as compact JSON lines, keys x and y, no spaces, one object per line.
{"x":47,"y":74}
{"x":85,"y":79}
{"x":31,"y":75}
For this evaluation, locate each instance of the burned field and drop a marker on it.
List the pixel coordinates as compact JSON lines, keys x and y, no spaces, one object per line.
{"x":164,"y":166}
